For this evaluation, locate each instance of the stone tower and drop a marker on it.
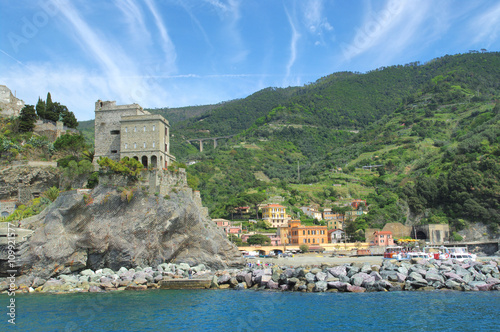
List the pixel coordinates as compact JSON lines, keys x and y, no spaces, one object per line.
{"x":129,"y":131}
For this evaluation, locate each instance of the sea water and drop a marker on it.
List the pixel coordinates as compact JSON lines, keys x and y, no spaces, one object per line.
{"x":230,"y":310}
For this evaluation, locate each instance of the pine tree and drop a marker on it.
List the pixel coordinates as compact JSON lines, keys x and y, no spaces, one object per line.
{"x":27,"y":118}
{"x":40,"y":108}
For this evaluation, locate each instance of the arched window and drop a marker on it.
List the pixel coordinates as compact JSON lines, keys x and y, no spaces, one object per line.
{"x":126,"y":145}
{"x":144,"y":128}
{"x":135,"y":129}
{"x":154,"y":127}
{"x":153,"y":144}
{"x":135,"y":145}
{"x":144,"y":145}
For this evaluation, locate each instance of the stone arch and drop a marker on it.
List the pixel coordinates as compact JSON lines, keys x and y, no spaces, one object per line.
{"x":154,"y":161}
{"x":5,"y":214}
{"x":136,"y":158}
{"x":144,"y":161}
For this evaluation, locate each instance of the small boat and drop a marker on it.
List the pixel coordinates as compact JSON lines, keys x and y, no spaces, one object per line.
{"x":402,"y":253}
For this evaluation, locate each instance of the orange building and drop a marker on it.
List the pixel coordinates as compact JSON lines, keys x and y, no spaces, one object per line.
{"x":310,"y":235}
{"x":275,"y":214}
{"x":383,"y":238}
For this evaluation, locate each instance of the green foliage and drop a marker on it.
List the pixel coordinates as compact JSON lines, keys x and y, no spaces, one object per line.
{"x":70,"y":143}
{"x":259,"y":239}
{"x":27,"y":119}
{"x":52,"y":111}
{"x":126,"y":166}
{"x":33,"y":208}
{"x":456,"y":237}
{"x":93,"y":180}
{"x":51,"y":194}
{"x":304,"y":248}
{"x":235,"y":239}
{"x":127,"y":195}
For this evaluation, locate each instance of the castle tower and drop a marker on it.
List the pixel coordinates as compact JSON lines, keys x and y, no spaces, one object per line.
{"x":129,"y":131}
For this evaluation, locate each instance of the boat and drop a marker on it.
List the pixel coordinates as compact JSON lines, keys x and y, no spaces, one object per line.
{"x":402,"y":253}
{"x":458,"y":253}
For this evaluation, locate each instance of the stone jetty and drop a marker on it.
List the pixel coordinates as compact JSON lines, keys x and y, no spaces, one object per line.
{"x":390,"y":275}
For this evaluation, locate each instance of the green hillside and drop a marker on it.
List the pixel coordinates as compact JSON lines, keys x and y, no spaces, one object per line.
{"x":432,"y":127}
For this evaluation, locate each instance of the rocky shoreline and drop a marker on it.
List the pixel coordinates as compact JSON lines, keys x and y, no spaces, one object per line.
{"x":391,"y":275}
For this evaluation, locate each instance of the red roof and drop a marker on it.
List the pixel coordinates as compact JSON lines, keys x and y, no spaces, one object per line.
{"x":274,"y":205}
{"x":383,"y":232}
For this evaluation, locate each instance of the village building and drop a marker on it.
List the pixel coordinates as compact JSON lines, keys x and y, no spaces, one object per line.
{"x":333,"y":219}
{"x":310,"y":235}
{"x":130,"y":131}
{"x":383,"y":238}
{"x":275,"y":214}
{"x":335,"y":235}
{"x":312,"y":212}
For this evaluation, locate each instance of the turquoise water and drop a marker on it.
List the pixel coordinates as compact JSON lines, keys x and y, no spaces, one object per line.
{"x":201,"y":310}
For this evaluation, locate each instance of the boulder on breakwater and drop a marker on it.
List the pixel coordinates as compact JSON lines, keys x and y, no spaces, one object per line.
{"x":391,"y":275}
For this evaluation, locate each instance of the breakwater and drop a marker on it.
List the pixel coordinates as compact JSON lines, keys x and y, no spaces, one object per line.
{"x":390,"y":275}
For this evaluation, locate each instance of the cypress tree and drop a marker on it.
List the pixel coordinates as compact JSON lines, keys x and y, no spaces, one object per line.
{"x":40,"y":108}
{"x":51,"y":109}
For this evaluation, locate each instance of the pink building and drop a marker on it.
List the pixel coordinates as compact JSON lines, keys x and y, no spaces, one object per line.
{"x":383,"y":238}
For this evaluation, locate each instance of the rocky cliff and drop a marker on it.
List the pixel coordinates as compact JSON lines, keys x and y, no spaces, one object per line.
{"x":114,"y":228}
{"x":23,"y":183}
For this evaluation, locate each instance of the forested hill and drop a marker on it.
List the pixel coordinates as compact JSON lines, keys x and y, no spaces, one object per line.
{"x":345,"y":100}
{"x":433,"y":128}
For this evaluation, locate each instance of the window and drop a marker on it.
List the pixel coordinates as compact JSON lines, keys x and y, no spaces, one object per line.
{"x":153,"y":144}
{"x":126,"y":145}
{"x":144,"y":128}
{"x":135,"y":145}
{"x":305,"y":241}
{"x":126,"y":129}
{"x":115,"y":132}
{"x":303,"y":232}
{"x":154,"y":127}
{"x":314,"y":240}
{"x":135,"y":129}
{"x":144,"y":144}
{"x":114,"y":151}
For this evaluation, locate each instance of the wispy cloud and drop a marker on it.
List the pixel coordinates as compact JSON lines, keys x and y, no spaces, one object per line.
{"x":166,"y":43}
{"x":229,"y":12}
{"x":390,"y":30}
{"x":134,"y":18}
{"x":487,"y":25}
{"x":293,"y":47}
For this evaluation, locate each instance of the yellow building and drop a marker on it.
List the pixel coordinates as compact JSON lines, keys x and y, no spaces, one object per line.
{"x":275,"y":214}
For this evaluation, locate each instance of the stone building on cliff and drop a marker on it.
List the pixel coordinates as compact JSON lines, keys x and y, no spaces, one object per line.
{"x":130,"y":131}
{"x":9,"y":104}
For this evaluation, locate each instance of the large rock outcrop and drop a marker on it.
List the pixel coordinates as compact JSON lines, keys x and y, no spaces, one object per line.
{"x":102,"y":229}
{"x":23,"y":182}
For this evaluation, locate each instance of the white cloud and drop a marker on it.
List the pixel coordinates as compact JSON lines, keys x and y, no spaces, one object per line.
{"x":313,"y":17}
{"x":166,"y":43}
{"x":293,"y":50}
{"x":487,"y":25}
{"x":390,"y":30}
{"x":135,"y":19}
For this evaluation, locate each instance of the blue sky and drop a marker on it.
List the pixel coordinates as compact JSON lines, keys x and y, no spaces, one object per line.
{"x":171,"y":53}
